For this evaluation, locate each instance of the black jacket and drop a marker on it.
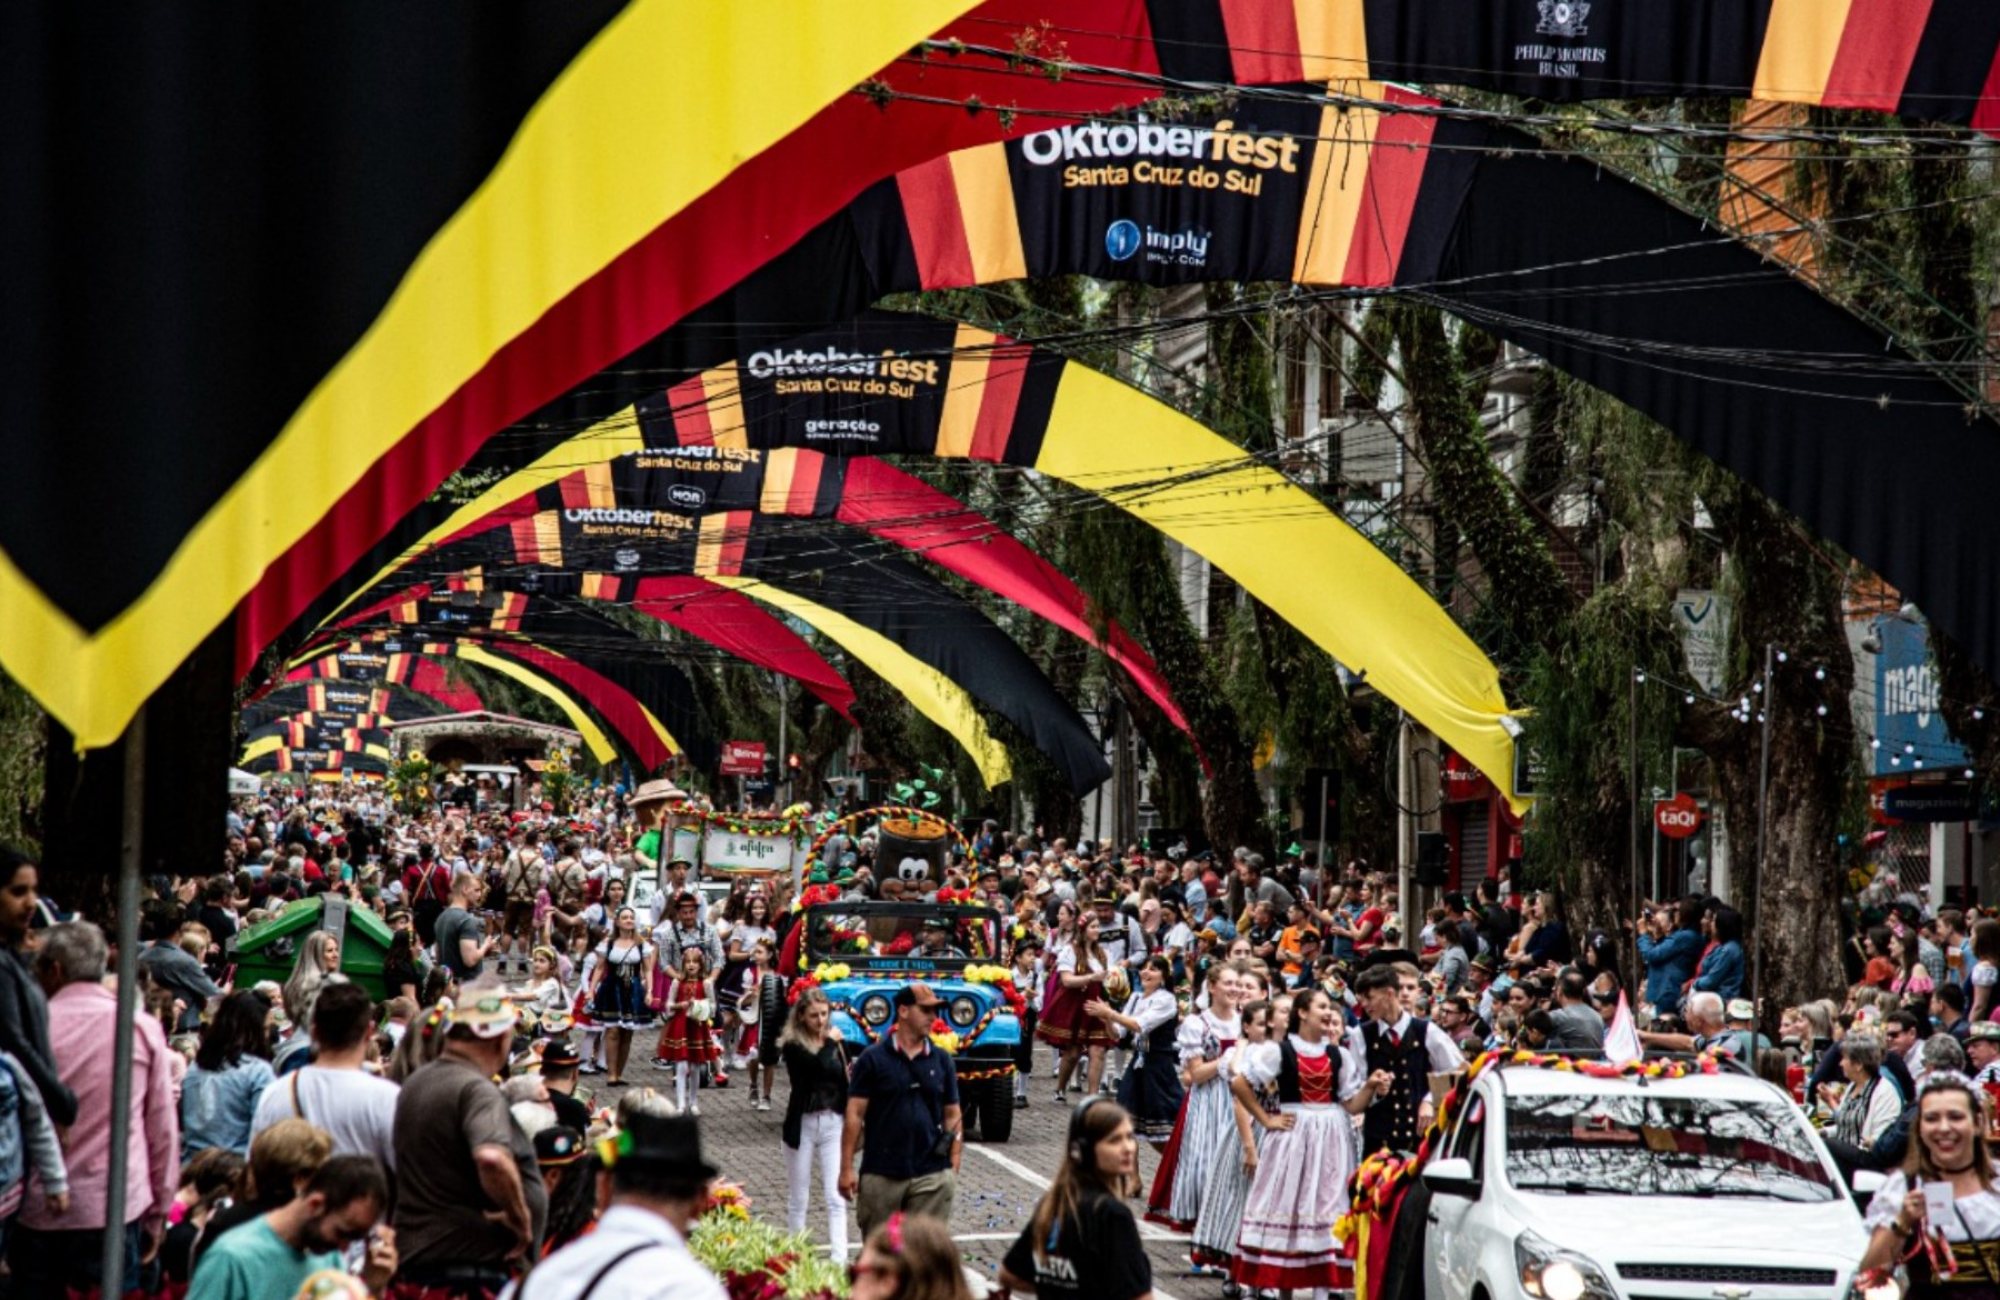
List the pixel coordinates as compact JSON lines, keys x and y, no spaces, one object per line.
{"x":818,"y":1081}
{"x":24,"y":1031}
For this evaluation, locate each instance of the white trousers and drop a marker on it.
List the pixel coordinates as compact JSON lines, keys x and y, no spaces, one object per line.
{"x":819,"y":1133}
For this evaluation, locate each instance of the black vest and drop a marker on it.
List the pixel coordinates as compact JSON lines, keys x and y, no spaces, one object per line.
{"x":1392,"y":1121}
{"x":1288,"y":1071}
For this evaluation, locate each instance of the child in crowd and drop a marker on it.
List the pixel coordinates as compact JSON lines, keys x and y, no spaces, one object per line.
{"x":688,"y":1010}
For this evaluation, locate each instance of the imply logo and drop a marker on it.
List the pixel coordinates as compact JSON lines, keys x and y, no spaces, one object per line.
{"x":1121,"y":240}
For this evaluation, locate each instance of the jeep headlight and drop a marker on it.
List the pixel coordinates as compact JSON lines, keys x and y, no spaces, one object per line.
{"x":875,"y":1010}
{"x":963,"y":1011}
{"x":1550,"y":1273}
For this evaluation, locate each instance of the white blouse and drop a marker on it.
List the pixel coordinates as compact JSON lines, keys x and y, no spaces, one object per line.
{"x":1074,"y":961}
{"x":1152,"y":1010}
{"x":1202,"y":1035}
{"x":1973,"y":1218}
{"x":1261,"y":1061}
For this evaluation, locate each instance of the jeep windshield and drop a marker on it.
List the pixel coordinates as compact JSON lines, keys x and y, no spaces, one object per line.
{"x":910,"y":934}
{"x":1650,"y":1145}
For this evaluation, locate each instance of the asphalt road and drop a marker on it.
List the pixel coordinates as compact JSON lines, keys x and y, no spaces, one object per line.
{"x":997,"y":1188}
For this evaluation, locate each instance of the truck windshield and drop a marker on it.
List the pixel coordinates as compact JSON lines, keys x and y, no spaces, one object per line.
{"x":1648,"y":1145}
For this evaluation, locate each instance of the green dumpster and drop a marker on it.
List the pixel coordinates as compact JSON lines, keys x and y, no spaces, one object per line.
{"x":269,"y":951}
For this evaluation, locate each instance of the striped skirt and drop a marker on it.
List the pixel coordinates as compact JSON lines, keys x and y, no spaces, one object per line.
{"x":1207,"y":1129}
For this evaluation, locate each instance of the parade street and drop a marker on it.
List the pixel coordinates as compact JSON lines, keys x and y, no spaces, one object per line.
{"x":997,"y":1185}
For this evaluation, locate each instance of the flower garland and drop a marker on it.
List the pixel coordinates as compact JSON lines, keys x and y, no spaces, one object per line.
{"x":1001,"y":980}
{"x":1381,"y":1177}
{"x":786,"y":824}
{"x":812,"y":979}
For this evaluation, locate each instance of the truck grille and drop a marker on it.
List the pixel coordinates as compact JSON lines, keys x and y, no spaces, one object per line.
{"x":1743,"y":1274}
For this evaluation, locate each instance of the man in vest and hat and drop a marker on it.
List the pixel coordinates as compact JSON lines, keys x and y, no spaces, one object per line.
{"x":639,"y":1248}
{"x":1409,"y":1049}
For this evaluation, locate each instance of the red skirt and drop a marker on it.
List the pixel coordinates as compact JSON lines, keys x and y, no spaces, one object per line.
{"x":1065,"y":1024}
{"x":687,"y":1039}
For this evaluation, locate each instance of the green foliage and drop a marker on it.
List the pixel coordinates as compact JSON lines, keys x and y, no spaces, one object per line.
{"x":23,"y":740}
{"x":1580,"y":688}
{"x":751,"y":1256}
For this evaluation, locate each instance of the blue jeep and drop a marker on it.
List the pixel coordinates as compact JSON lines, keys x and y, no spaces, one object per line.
{"x":887,"y":945}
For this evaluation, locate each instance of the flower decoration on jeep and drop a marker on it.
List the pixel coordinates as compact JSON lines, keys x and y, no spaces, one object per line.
{"x":943,"y":1038}
{"x":955,"y":897}
{"x":1001,"y":979}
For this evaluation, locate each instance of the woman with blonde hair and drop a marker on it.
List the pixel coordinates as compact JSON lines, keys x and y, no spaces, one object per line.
{"x":817,"y":1071}
{"x":1082,"y":1239}
{"x":318,"y":962}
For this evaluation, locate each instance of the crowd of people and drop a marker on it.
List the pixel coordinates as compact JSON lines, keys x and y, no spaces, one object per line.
{"x":1263,"y":1029}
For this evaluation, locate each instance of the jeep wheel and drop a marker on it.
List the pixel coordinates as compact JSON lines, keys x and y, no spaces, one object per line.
{"x":996,"y":1108}
{"x":771,"y":1009}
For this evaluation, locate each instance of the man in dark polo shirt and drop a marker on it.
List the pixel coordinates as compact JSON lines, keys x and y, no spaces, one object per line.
{"x":903,"y":1115}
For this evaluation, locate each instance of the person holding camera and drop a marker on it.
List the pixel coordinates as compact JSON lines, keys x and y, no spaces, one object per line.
{"x":903,"y":1116}
{"x":1670,"y":942}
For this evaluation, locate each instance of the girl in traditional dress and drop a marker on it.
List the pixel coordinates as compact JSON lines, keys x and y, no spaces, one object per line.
{"x":1300,"y":1187}
{"x":1151,"y":1089}
{"x":618,"y":1001}
{"x":688,"y":1012}
{"x":1066,"y":1026}
{"x":1221,"y":1221}
{"x":1206,"y":1125}
{"x":749,"y":997}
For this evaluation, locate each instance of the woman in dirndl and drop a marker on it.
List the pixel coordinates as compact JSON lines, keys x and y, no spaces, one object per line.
{"x":1300,"y":1189}
{"x":1150,"y":1090}
{"x":1948,"y":1245}
{"x":1207,"y":1123}
{"x":618,"y":991}
{"x":1081,"y":971}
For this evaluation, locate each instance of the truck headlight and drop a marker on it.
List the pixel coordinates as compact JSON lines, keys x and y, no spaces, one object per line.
{"x":1551,"y":1273}
{"x":963,"y":1011}
{"x":875,"y":1010}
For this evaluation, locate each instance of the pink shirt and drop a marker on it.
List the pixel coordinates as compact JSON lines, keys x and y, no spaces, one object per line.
{"x":83,"y":1021}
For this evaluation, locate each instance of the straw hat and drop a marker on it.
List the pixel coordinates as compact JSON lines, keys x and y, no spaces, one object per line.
{"x":660,"y":791}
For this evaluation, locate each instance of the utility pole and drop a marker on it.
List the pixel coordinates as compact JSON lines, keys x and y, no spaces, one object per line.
{"x":1767,"y":705}
{"x":1406,"y":822}
{"x":1632,"y":757}
{"x":784,"y":771}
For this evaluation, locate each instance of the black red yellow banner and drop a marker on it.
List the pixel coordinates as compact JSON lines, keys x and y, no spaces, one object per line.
{"x":982,"y":397}
{"x":664,"y":480}
{"x":1936,"y":60}
{"x":358,"y":227}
